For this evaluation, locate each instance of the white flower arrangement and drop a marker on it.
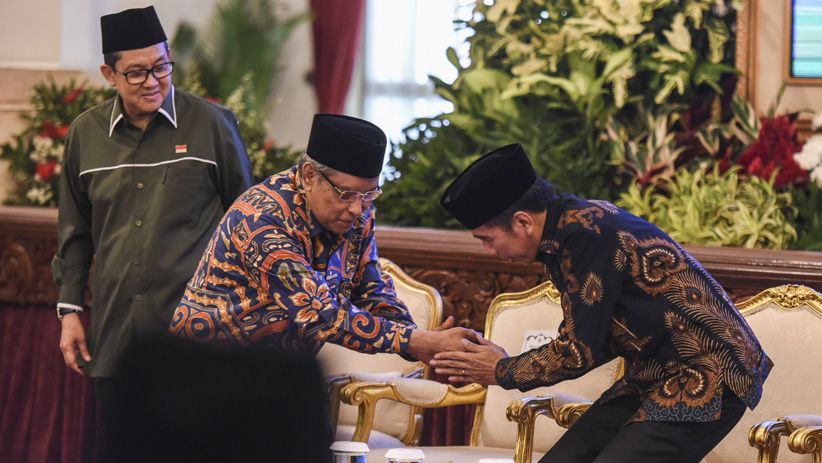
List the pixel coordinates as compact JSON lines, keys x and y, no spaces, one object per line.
{"x":810,"y":158}
{"x":40,"y":195}
{"x":44,"y":148}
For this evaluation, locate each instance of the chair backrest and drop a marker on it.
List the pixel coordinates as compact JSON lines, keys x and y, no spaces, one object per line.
{"x":392,"y":418}
{"x":787,"y":320}
{"x":519,"y":322}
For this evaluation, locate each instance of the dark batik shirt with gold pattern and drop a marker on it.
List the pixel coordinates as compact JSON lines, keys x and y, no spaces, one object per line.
{"x":629,"y":290}
{"x":272,"y":276}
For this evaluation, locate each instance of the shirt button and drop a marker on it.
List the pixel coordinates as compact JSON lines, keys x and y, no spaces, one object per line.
{"x":136,"y":261}
{"x":140,"y":185}
{"x":138,"y":297}
{"x":139,"y":223}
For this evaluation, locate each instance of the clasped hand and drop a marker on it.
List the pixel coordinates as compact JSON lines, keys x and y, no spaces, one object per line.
{"x":461,"y":353}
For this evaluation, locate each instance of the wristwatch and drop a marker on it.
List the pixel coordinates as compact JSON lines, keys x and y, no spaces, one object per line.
{"x":63,"y":311}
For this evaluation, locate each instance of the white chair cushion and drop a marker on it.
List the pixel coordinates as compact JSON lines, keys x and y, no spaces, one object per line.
{"x":375,"y":440}
{"x":387,"y":377}
{"x":457,"y":454}
{"x":422,"y":391}
{"x":793,"y":340}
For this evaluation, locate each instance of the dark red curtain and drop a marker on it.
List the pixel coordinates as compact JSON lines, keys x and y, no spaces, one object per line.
{"x":47,"y":412}
{"x":448,"y":425}
{"x":337,"y":31}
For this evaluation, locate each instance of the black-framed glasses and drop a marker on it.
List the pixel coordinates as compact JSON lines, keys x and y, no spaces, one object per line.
{"x":140,"y":76}
{"x":349,"y":196}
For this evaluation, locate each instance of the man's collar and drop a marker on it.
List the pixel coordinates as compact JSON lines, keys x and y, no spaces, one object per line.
{"x":548,"y":245}
{"x":167,"y":109}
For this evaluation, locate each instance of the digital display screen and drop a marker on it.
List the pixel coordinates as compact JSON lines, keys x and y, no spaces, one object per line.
{"x":806,"y":39}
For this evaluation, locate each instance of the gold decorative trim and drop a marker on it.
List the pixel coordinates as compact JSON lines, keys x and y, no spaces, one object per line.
{"x":429,"y":292}
{"x":479,"y":412}
{"x":747,"y":45}
{"x":434,"y":302}
{"x":333,"y":388}
{"x":765,"y":438}
{"x":787,"y":27}
{"x":545,"y":290}
{"x":568,"y":414}
{"x":524,"y":412}
{"x":366,"y":395}
{"x":807,"y":440}
{"x":787,"y":297}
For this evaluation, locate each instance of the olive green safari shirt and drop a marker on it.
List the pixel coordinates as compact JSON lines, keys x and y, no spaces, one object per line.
{"x":143,"y":204}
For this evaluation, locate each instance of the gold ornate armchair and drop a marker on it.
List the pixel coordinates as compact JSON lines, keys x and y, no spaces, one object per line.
{"x":787,"y":321}
{"x":517,"y":322}
{"x":395,"y":424}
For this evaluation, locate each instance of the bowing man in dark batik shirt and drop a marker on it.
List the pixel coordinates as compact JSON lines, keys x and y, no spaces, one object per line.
{"x":692,"y":363}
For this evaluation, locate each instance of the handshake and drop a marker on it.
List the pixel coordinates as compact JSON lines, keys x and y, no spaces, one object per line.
{"x":460,"y":353}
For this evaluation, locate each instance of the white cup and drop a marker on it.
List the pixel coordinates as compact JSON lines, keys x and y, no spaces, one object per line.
{"x":405,"y":455}
{"x":349,"y":452}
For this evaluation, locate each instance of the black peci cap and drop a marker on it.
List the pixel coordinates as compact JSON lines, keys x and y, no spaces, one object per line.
{"x":489,"y":185}
{"x":347,"y":144}
{"x":131,"y":30}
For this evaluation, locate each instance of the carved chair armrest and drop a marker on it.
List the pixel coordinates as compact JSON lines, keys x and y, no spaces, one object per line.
{"x":807,"y":439}
{"x":765,"y":436}
{"x":333,"y":386}
{"x":525,"y":410}
{"x":421,"y":393}
{"x":568,"y":414}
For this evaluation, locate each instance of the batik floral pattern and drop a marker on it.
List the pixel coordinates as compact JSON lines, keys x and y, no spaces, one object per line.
{"x":682,"y":339}
{"x":272,"y":276}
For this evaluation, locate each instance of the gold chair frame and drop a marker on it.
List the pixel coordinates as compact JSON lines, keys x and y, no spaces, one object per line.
{"x":523,"y":412}
{"x":336,"y":384}
{"x":765,"y":436}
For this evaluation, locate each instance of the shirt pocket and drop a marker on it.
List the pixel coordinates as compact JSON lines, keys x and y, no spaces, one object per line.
{"x":189,"y":194}
{"x":188,"y":180}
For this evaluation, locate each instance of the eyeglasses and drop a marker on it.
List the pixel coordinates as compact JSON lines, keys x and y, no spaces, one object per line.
{"x":350,"y":196}
{"x":140,"y":76}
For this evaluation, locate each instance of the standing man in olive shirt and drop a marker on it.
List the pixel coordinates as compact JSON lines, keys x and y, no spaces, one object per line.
{"x":147,"y":176}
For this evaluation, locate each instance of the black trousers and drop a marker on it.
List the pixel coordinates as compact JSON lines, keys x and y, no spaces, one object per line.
{"x":117,"y":422}
{"x":181,"y":402}
{"x":602,"y":436}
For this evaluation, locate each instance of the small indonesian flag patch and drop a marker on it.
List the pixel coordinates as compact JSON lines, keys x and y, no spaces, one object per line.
{"x":180,"y":149}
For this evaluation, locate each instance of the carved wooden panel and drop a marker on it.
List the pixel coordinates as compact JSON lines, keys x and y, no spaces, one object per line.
{"x":466,"y":294}
{"x":452,"y":261}
{"x":25,"y":270}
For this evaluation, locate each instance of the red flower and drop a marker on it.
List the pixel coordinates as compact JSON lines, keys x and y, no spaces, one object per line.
{"x":46,"y":169}
{"x":72,"y":96}
{"x":213,"y":99}
{"x":726,"y":161}
{"x":774,"y":149}
{"x":268,"y":145}
{"x":52,"y":130}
